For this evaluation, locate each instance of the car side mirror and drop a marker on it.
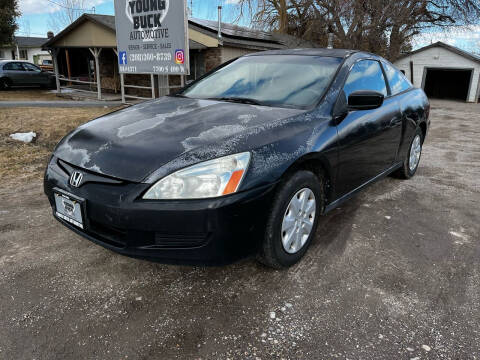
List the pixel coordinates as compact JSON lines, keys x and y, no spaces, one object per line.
{"x":365,"y":100}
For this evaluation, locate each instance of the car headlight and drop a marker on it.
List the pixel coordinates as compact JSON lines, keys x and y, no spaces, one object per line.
{"x":207,"y":179}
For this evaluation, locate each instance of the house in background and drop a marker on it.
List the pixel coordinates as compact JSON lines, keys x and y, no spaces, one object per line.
{"x":443,"y":71}
{"x":25,"y":48}
{"x":87,"y":50}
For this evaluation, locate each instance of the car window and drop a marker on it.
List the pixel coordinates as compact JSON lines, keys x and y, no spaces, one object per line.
{"x":13,"y":66}
{"x":366,"y":75}
{"x":287,"y":80}
{"x":397,"y":81}
{"x":31,"y":67}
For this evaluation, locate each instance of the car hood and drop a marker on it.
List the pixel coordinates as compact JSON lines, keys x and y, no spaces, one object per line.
{"x":132,"y":143}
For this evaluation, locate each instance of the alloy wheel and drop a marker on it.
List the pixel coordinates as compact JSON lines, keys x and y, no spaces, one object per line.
{"x":415,"y":151}
{"x":298,"y":220}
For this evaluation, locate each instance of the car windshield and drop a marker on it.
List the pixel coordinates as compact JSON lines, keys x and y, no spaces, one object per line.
{"x":274,"y":80}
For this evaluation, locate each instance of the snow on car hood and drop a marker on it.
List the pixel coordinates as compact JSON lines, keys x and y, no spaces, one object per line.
{"x":132,"y":143}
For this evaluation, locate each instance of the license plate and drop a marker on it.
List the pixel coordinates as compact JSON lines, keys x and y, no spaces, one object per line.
{"x":69,"y":208}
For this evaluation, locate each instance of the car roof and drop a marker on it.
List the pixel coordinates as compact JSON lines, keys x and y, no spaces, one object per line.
{"x":11,"y":60}
{"x":341,"y":53}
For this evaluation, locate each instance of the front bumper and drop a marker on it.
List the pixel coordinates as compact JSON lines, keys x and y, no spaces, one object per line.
{"x":207,"y":231}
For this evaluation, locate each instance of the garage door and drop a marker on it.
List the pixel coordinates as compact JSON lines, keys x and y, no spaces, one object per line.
{"x":447,"y":84}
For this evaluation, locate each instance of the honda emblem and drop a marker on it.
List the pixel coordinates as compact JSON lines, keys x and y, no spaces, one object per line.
{"x":76,"y":179}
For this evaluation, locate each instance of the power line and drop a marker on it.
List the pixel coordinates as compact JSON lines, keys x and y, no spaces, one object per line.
{"x":29,"y":33}
{"x":65,"y":7}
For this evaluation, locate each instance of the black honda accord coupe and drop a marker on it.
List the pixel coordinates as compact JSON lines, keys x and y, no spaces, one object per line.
{"x":245,"y":160}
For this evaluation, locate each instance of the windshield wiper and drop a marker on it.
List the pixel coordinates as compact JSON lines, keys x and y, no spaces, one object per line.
{"x":240,"y":100}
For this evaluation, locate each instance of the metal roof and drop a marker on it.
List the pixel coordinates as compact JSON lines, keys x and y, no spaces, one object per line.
{"x":231,"y":30}
{"x":341,"y":53}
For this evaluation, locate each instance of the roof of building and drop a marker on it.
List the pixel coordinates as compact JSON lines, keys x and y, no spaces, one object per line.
{"x":454,"y":49}
{"x":231,"y":34}
{"x":234,"y":31}
{"x":105,"y":20}
{"x":340,"y":53}
{"x":27,"y":41}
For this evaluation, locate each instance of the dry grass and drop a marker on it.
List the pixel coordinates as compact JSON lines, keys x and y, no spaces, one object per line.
{"x":28,"y":94}
{"x":20,"y":161}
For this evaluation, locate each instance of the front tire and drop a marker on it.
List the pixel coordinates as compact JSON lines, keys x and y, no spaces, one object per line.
{"x":410,"y":164}
{"x":293,"y":220}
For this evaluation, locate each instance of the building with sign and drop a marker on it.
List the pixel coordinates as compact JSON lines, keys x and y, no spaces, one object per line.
{"x":86,"y":54}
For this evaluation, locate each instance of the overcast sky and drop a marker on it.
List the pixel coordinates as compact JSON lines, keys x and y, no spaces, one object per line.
{"x":37,"y":13}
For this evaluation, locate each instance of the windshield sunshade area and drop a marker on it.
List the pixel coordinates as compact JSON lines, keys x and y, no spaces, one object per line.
{"x":286,"y":80}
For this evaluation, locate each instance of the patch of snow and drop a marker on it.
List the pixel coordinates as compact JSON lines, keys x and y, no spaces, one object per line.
{"x":25,"y":137}
{"x":388,"y":217}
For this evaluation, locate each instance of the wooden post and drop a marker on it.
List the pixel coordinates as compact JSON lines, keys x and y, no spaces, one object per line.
{"x":115,"y":72}
{"x":69,"y":72}
{"x":54,"y":53}
{"x":96,"y":53}
{"x":122,"y":87}
{"x":152,"y":83}
{"x":162,"y":85}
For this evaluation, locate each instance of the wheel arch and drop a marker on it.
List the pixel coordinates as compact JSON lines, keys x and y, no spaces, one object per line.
{"x":423,"y":127}
{"x":317,"y":164}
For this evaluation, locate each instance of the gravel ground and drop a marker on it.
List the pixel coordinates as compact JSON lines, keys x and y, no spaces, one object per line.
{"x":394,"y":273}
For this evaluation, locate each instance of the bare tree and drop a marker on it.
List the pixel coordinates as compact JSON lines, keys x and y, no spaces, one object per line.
{"x":386,"y":27}
{"x":25,"y":26}
{"x":69,"y":11}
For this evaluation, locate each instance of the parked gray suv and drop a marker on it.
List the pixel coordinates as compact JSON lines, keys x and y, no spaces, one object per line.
{"x":23,"y":73}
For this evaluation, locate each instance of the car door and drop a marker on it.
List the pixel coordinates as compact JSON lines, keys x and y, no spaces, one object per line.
{"x":34,"y":75}
{"x":368,"y":139}
{"x":15,"y":72}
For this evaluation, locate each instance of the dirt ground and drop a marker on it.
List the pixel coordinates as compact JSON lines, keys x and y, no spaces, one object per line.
{"x":23,"y":162}
{"x":24,"y":94}
{"x":392,"y":274}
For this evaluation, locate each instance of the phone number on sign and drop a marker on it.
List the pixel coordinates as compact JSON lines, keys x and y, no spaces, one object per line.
{"x":150,"y":57}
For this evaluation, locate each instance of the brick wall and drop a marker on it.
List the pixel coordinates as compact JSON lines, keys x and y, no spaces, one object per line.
{"x":213,"y":58}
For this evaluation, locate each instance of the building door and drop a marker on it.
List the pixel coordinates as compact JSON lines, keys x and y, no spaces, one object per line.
{"x":451,"y":84}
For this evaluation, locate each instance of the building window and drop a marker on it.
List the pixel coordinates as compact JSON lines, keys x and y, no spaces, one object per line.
{"x":23,"y":54}
{"x":2,"y":54}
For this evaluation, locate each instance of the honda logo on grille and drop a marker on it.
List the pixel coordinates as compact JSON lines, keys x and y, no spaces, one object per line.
{"x":76,"y":179}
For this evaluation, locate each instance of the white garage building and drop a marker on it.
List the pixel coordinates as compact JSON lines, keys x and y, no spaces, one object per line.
{"x":443,"y":71}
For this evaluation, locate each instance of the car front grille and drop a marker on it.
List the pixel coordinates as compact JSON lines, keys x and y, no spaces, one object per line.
{"x":108,"y":234}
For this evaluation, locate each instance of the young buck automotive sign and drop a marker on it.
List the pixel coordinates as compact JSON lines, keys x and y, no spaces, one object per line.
{"x":152,"y":36}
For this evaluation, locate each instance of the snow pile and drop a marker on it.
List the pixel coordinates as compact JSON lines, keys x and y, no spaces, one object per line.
{"x":25,"y":137}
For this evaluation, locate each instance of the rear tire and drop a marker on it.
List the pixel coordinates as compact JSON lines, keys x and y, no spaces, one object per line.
{"x":5,"y":84}
{"x":412,"y":160}
{"x":293,"y":220}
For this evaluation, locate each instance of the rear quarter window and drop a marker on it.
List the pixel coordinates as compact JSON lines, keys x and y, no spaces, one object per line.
{"x":396,"y":79}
